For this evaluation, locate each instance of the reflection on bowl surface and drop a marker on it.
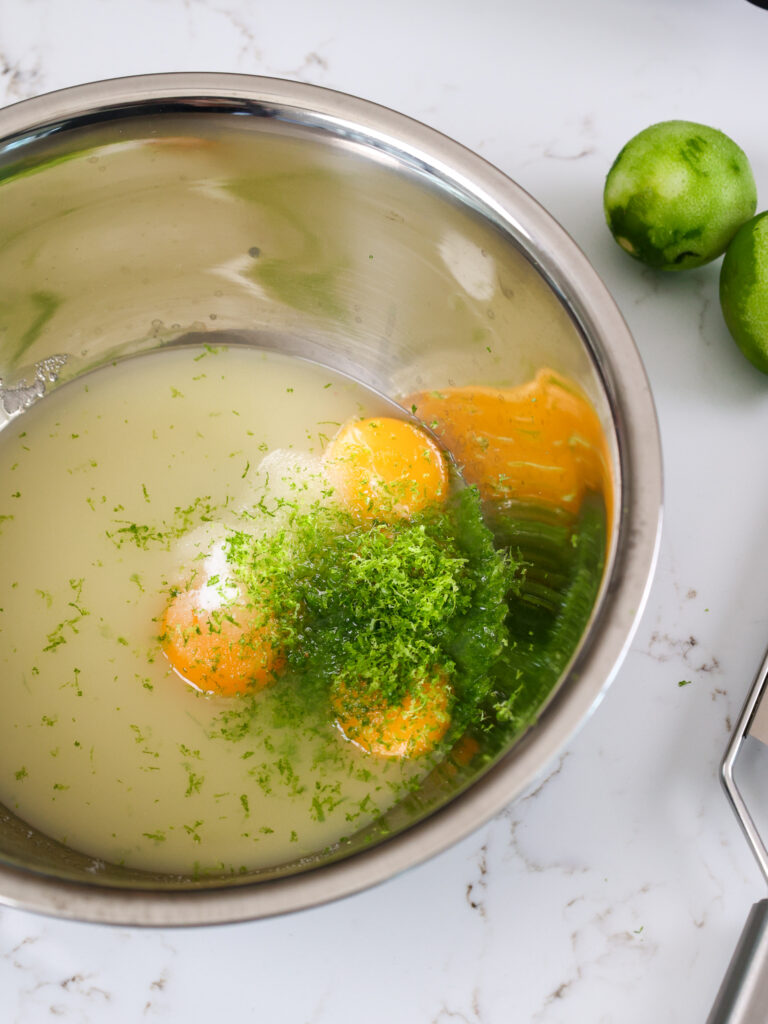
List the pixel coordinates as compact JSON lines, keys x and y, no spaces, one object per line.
{"x":314,"y":487}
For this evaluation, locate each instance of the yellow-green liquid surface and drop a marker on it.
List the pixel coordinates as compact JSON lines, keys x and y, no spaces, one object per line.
{"x":102,"y":745}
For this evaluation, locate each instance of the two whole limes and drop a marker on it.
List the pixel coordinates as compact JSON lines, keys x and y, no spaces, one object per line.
{"x":678,"y":195}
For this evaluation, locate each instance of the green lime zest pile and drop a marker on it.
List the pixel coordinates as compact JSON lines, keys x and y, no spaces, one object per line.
{"x":383,"y":606}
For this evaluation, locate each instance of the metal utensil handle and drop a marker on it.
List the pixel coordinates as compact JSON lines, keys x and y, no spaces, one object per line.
{"x":743,"y":995}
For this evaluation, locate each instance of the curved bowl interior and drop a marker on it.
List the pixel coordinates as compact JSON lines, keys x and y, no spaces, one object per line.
{"x":142,"y":214}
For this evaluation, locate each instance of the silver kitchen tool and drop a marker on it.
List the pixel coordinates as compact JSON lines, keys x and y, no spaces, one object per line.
{"x":743,"y":995}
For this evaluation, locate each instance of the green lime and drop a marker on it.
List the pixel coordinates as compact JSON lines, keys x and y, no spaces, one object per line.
{"x":744,"y":290}
{"x":677,"y":193}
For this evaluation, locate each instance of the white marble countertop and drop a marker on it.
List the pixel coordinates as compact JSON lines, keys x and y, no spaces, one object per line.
{"x":616,"y":892}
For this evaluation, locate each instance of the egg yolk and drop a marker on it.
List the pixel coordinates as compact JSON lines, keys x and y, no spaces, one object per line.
{"x":223,"y":647}
{"x":386,"y":469}
{"x":539,"y":442}
{"x":408,"y":729}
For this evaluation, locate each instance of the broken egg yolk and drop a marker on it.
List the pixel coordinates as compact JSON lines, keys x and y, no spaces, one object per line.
{"x":219,"y":643}
{"x":385,"y":468}
{"x":410,"y":728}
{"x":539,"y":442}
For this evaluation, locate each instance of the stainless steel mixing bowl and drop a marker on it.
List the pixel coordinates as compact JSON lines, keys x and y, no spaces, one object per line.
{"x":137,"y":212}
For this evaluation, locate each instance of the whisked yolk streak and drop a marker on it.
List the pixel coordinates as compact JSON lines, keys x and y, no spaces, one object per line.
{"x":408,"y":729}
{"x":385,"y":468}
{"x":539,"y":442}
{"x":221,"y":645}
